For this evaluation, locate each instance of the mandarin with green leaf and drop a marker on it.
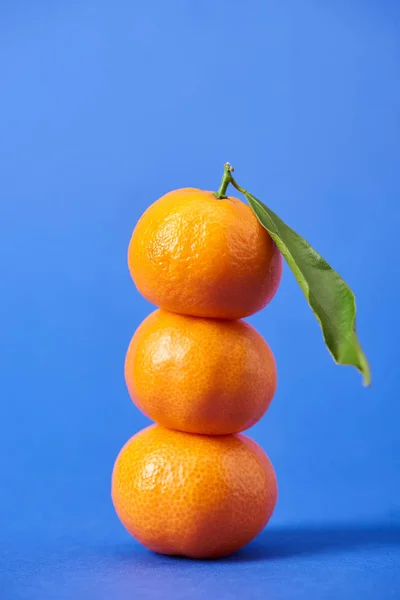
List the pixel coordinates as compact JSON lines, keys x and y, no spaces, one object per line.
{"x":194,"y":254}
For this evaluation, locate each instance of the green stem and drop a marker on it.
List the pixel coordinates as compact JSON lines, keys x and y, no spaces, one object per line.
{"x":235,"y":185}
{"x":227,"y":178}
{"x":225,"y":181}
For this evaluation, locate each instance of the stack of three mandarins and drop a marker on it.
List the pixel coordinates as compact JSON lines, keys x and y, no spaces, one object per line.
{"x":192,"y":484}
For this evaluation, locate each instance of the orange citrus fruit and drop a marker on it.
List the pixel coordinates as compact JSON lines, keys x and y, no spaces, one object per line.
{"x":200,"y":375}
{"x":193,"y":495}
{"x":193,"y":254}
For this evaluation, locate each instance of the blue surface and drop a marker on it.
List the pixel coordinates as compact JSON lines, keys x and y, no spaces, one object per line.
{"x":104,"y":107}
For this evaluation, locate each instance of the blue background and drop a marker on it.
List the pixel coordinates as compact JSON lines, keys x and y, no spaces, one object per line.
{"x":105,"y":106}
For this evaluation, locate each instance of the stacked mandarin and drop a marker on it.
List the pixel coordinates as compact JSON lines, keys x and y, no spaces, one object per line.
{"x":192,"y":484}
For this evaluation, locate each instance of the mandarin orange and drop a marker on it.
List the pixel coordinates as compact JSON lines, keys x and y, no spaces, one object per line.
{"x":200,"y":375}
{"x":193,"y":495}
{"x":194,"y":254}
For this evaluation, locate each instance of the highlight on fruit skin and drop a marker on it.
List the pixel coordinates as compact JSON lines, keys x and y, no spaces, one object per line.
{"x":194,"y":254}
{"x":193,"y":495}
{"x":199,"y":375}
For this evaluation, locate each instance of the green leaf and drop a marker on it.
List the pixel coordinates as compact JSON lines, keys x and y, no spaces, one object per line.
{"x":330,"y":298}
